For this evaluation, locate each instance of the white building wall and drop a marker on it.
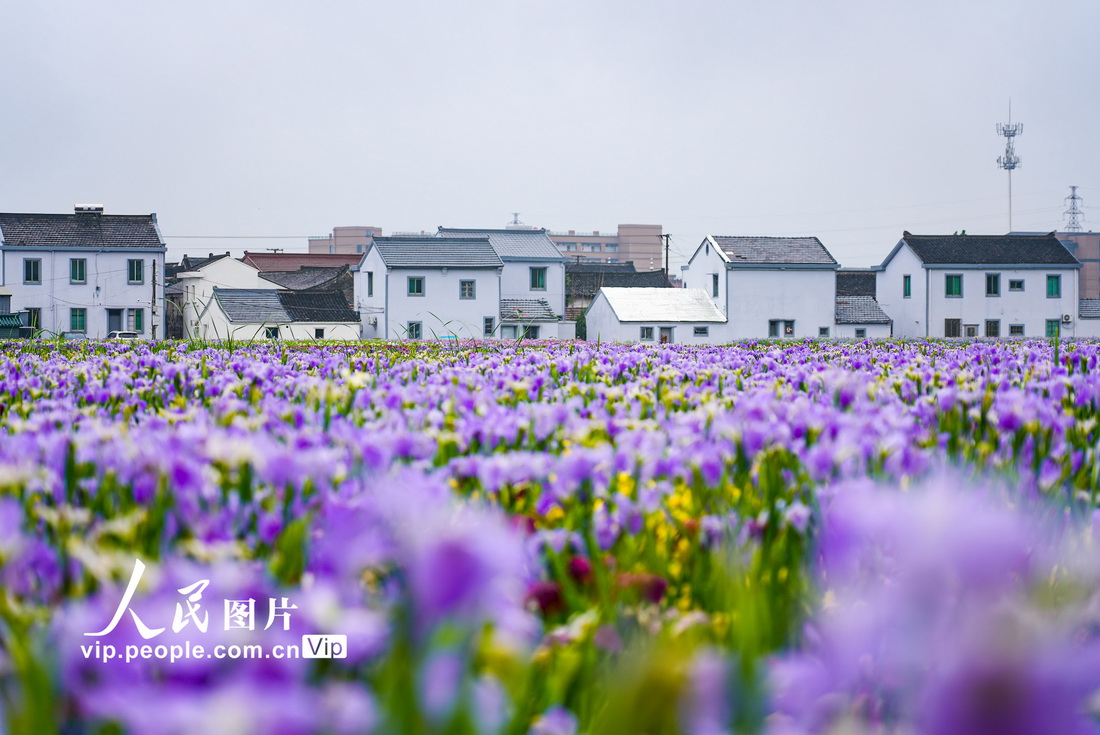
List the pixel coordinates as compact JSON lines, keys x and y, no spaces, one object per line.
{"x":198,"y":292}
{"x":604,"y":326}
{"x":1030,"y":307}
{"x":515,"y":282}
{"x":216,"y":326}
{"x":910,"y":318}
{"x":872,"y":331}
{"x":440,"y":311}
{"x":106,"y":287}
{"x":371,"y":302}
{"x":807,"y":297}
{"x":700,"y":271}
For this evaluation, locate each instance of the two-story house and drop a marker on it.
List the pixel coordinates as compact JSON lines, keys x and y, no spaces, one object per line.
{"x":428,"y":287}
{"x":192,"y":295}
{"x":778,"y":287}
{"x":980,"y":286}
{"x":532,"y":282}
{"x":85,"y":273}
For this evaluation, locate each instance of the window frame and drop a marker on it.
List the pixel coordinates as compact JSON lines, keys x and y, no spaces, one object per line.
{"x":1056,"y":279}
{"x":462,"y":287}
{"x":1057,"y":330}
{"x":83,"y":270}
{"x":861,"y":333}
{"x":652,"y":334}
{"x":714,"y":285}
{"x":488,"y":326}
{"x":823,"y":332}
{"x":1015,"y":280}
{"x":700,"y":331}
{"x":907,"y":286}
{"x":409,"y":287}
{"x":538,"y":276}
{"x":318,"y":333}
{"x":530,"y":331}
{"x":370,"y":283}
{"x":1016,"y":330}
{"x":78,"y":311}
{"x":34,"y":317}
{"x":993,"y":279}
{"x":135,"y":265}
{"x":947,"y":328}
{"x":135,"y":320}
{"x":36,"y":264}
{"x":414,"y":330}
{"x":947,"y":280}
{"x":271,"y":332}
{"x":996,"y":328}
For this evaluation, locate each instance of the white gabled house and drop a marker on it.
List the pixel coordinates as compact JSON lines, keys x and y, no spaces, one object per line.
{"x":661,"y":315}
{"x":533,"y":271}
{"x":428,"y":287}
{"x":251,"y":314}
{"x":779,"y":287}
{"x":980,"y":286}
{"x":193,"y":292}
{"x":85,"y":273}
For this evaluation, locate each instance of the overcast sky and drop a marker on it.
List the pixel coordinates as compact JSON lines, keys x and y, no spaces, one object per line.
{"x":851,"y":120}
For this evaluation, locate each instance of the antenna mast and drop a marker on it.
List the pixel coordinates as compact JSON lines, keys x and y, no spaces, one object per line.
{"x":1074,"y":214}
{"x":1009,"y":160}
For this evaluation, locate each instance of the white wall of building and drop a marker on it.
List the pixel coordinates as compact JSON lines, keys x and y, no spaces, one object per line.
{"x":441,"y":311}
{"x":806,"y":297}
{"x":515,"y":282}
{"x":106,"y":287}
{"x":198,"y":292}
{"x":908,"y":313}
{"x":870,"y":331}
{"x":700,"y":271}
{"x":1030,"y":308}
{"x":216,"y":325}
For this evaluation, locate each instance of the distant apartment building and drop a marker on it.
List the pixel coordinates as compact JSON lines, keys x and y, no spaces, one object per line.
{"x":1085,"y":246}
{"x":344,"y":240}
{"x":642,"y":245}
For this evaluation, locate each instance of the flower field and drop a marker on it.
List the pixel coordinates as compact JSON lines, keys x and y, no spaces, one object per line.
{"x":550,"y":538}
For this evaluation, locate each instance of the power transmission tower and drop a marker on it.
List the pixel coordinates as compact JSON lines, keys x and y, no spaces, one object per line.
{"x":1074,"y":214}
{"x":1009,"y":161}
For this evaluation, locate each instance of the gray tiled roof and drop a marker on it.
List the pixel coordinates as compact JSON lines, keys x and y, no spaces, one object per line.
{"x":437,"y":252}
{"x":1088,"y":308}
{"x":662,"y":305}
{"x":48,"y":231}
{"x":260,"y":306}
{"x":513,"y":244}
{"x":587,"y":282}
{"x":305,"y":278}
{"x":775,"y":250}
{"x":859,"y":310}
{"x":526,"y":310}
{"x":855,"y":282}
{"x":990,"y":249}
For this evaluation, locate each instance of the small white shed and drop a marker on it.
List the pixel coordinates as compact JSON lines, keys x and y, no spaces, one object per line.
{"x":664,"y":315}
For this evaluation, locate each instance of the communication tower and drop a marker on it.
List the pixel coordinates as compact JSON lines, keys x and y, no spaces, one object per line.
{"x":1009,"y":161}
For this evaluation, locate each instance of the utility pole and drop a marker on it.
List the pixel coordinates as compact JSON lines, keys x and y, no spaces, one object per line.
{"x":1009,"y":160}
{"x":666,"y":237}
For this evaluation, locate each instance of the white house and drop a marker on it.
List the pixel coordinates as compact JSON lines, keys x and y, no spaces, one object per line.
{"x":194,"y":290}
{"x":662,"y":315}
{"x":425,"y":287}
{"x":85,"y":273}
{"x":780,"y":287}
{"x":980,"y":286}
{"x":266,"y":314}
{"x":533,"y":270}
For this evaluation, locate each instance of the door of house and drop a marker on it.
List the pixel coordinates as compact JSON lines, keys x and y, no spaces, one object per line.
{"x":666,"y":335}
{"x":114,"y":320}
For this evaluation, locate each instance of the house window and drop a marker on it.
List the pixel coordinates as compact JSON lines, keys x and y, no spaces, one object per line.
{"x":508,"y":332}
{"x":319,"y":333}
{"x":530,"y":332}
{"x":271,"y":332}
{"x":1015,"y":330}
{"x":135,"y":320}
{"x":822,"y":331}
{"x":78,"y":320}
{"x":34,"y":317}
{"x":5,"y":304}
{"x":135,"y":271}
{"x":906,"y":286}
{"x":538,"y":279}
{"x":1054,"y":287}
{"x":416,"y":286}
{"x":467,"y":289}
{"x":952,"y":327}
{"x":714,"y":285}
{"x":78,"y":270}
{"x":861,"y":333}
{"x":1054,"y":327}
{"x":646,"y":334}
{"x":415,"y":330}
{"x":370,"y":283}
{"x":992,"y":328}
{"x":953,"y":285}
{"x":32,"y":270}
{"x":701,"y":332}
{"x":992,"y":284}
{"x":971,"y":330}
{"x":781,"y":328}
{"x":490,"y":326}
{"x":1016,"y":285}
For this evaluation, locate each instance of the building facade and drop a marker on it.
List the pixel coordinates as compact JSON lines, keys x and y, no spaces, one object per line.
{"x":655,"y":315}
{"x":344,"y":240}
{"x":84,"y":274}
{"x":641,"y":245}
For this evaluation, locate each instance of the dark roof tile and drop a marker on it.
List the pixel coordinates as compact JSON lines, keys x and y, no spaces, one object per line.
{"x":85,"y":230}
{"x":990,"y":250}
